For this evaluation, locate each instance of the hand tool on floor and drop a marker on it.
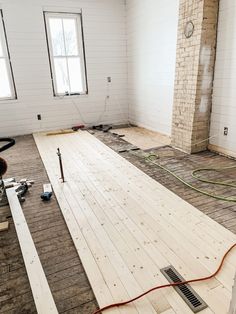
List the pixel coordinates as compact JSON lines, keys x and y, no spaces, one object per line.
{"x":102,"y":127}
{"x":21,"y":187}
{"x":61,"y":165}
{"x":9,"y":142}
{"x":78,"y":127}
{"x":47,"y":192}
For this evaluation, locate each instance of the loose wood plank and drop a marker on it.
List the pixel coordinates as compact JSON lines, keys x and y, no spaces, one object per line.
{"x":41,"y":292}
{"x":4,"y":226}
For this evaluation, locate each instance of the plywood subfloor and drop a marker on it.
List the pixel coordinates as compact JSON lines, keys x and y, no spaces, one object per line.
{"x":143,"y":138}
{"x":126,"y":226}
{"x":61,"y":263}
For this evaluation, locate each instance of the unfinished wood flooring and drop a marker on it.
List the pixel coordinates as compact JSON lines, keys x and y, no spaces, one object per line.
{"x":143,"y":138}
{"x":42,"y":294}
{"x":126,"y":227}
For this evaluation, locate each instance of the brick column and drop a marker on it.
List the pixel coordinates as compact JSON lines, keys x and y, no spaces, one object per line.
{"x":194,"y":74}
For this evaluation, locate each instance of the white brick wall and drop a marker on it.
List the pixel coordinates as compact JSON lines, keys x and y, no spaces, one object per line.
{"x":152,"y":36}
{"x":224,"y":95}
{"x":105,"y":44}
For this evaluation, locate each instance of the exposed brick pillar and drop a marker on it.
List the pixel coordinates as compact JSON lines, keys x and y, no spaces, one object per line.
{"x":194,"y":74}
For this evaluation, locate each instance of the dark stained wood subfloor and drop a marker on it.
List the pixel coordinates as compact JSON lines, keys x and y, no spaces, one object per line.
{"x":66,"y":276}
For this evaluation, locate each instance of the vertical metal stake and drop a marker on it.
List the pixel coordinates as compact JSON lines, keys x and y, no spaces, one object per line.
{"x":61,"y":166}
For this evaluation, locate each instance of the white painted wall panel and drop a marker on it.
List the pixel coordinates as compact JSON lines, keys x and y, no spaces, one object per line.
{"x":224,"y":94}
{"x":152,"y":37}
{"x":106,"y":55}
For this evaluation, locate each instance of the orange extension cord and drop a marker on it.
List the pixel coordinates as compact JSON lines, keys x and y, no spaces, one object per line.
{"x":168,"y":285}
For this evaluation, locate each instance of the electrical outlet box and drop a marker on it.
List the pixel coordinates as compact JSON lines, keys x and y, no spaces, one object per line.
{"x":226,"y":131}
{"x":109,"y":79}
{"x":39,"y":117}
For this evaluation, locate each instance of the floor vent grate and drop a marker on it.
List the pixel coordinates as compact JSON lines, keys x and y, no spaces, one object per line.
{"x":186,"y":292}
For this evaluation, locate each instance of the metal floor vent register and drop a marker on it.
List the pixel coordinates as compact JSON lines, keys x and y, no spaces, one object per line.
{"x":186,"y":292}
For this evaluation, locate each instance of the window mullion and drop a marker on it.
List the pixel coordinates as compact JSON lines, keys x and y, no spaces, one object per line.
{"x":67,"y":65}
{"x":65,"y":56}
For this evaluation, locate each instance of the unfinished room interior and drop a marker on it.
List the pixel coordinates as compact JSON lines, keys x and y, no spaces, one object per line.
{"x":117,"y":156}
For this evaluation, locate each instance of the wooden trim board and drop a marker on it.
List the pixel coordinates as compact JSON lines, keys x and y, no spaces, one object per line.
{"x":221,"y":150}
{"x":126,"y":227}
{"x":41,"y":292}
{"x":4,"y":226}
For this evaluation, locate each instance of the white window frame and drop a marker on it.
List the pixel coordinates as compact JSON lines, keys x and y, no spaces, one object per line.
{"x":6,"y":57}
{"x":81,"y":51}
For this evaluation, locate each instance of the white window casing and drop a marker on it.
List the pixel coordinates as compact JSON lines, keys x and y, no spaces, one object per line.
{"x":7,"y":87}
{"x":66,"y":52}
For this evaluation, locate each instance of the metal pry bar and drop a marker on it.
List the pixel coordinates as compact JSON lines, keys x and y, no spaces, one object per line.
{"x":61,"y":165}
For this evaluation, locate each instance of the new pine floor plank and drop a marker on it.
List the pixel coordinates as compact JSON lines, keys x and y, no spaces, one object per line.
{"x":181,"y":218}
{"x":42,"y":294}
{"x":212,"y":301}
{"x":144,"y":258}
{"x":126,"y":219}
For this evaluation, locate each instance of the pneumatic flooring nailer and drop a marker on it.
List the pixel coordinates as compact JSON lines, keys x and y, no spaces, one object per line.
{"x":21,"y":187}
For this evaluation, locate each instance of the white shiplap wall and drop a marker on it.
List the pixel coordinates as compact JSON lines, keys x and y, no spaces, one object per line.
{"x":105,"y":44}
{"x":224,"y":94}
{"x":152,"y":36}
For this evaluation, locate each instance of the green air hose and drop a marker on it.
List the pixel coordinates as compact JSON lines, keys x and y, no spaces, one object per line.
{"x":150,"y":157}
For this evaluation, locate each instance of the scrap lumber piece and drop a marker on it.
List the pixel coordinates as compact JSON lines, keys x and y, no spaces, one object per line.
{"x":4,"y":226}
{"x":60,"y":132}
{"x":41,"y":292}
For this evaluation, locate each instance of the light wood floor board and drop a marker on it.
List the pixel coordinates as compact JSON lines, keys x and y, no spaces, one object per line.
{"x":143,"y":138}
{"x":42,"y":294}
{"x":126,"y":227}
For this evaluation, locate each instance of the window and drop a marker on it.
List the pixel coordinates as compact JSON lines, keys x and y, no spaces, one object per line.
{"x":66,"y":50}
{"x":7,"y":89}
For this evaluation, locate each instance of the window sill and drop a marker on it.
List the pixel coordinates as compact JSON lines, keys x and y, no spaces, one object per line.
{"x":57,"y":97}
{"x":8,"y":100}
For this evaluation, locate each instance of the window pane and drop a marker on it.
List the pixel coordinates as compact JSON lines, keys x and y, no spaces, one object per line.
{"x":66,"y":55}
{"x":75,"y":75}
{"x":62,"y":79}
{"x":56,"y":31}
{"x":5,"y":88}
{"x":71,"y":36}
